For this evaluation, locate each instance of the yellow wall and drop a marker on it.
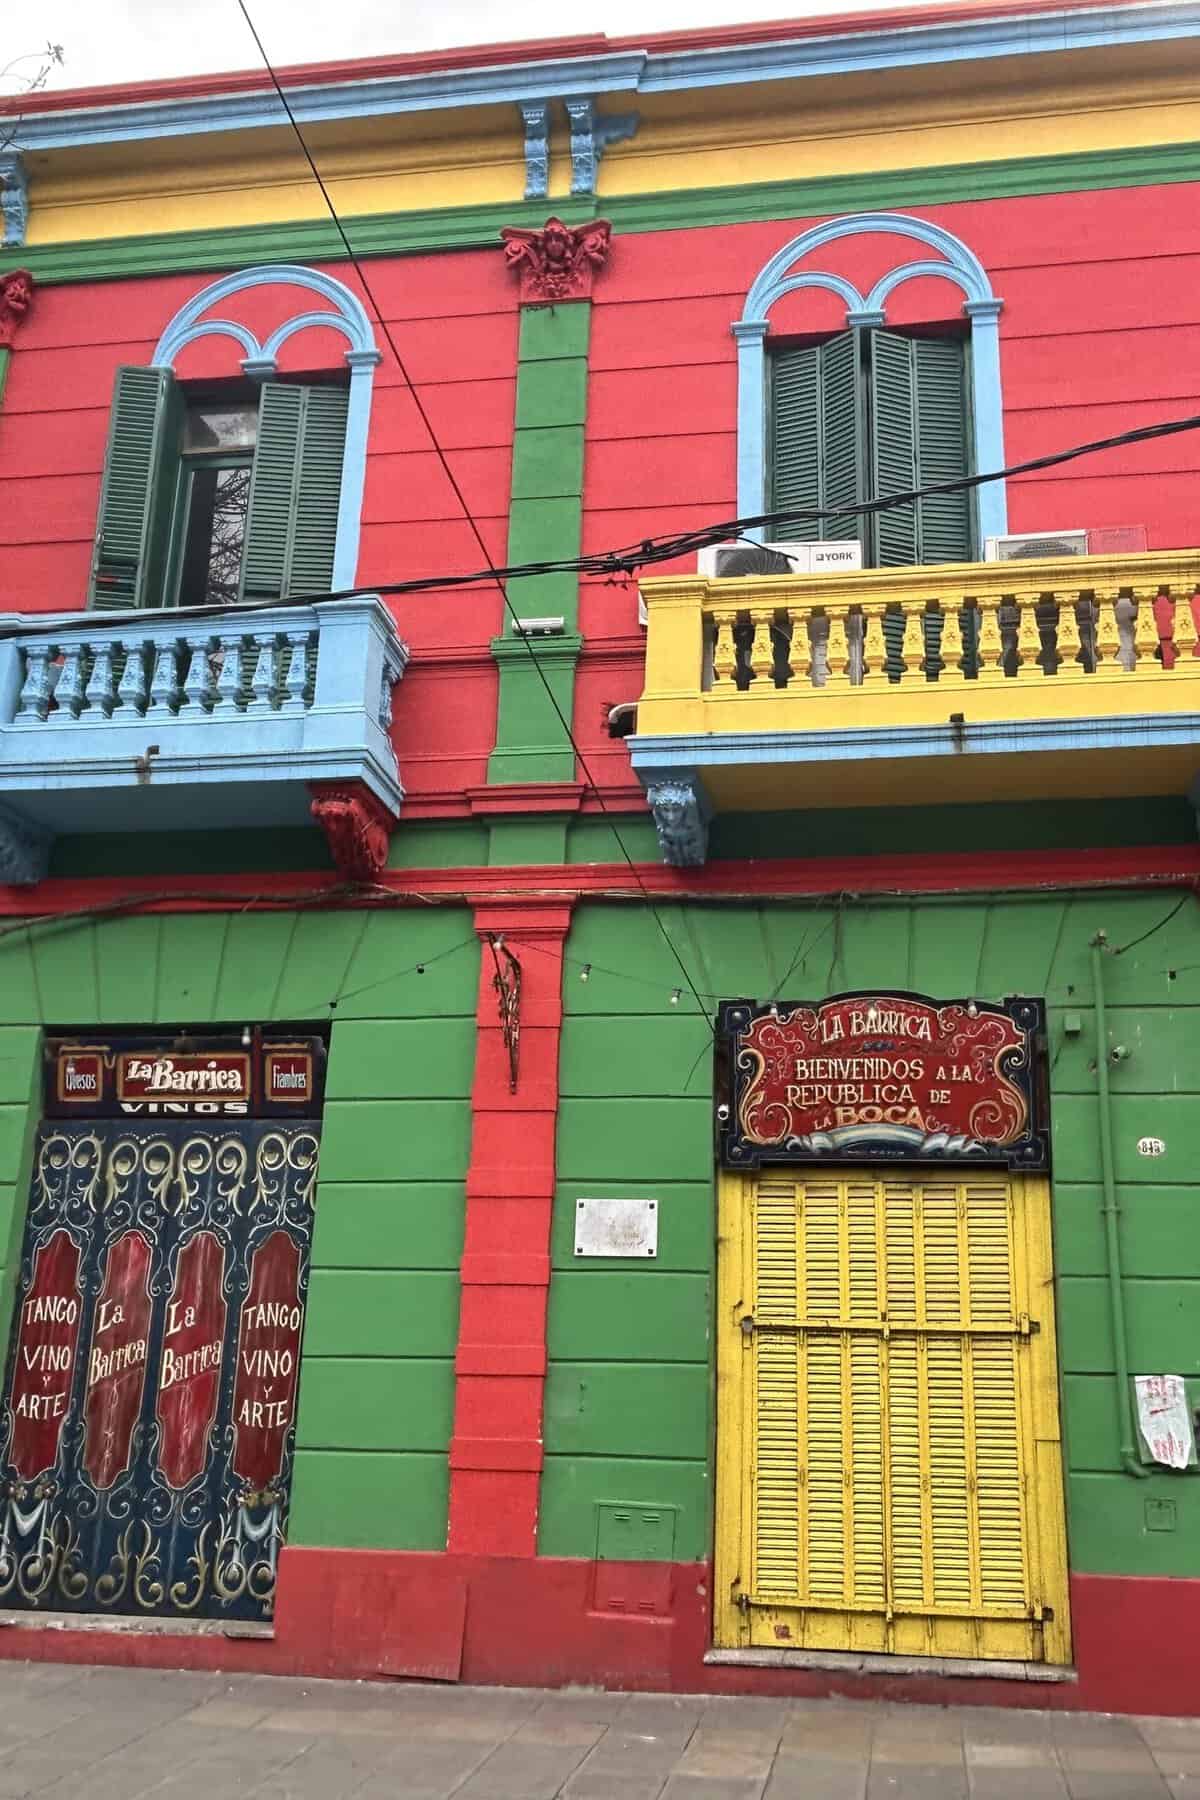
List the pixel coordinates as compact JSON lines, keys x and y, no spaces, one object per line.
{"x":837,"y":125}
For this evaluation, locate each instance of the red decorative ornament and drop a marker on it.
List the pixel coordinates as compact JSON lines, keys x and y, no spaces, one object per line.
{"x":116,"y":1370}
{"x":268,"y":1361}
{"x":16,"y":298}
{"x":357,"y":827}
{"x":559,"y":262}
{"x":193,"y":1346}
{"x":44,"y":1357}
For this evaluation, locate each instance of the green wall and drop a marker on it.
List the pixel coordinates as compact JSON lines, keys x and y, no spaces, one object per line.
{"x":629,"y":1400}
{"x":377,"y":1376}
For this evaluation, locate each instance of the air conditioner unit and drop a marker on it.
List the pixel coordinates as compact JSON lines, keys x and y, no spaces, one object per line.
{"x":1023,"y":545}
{"x":723,"y":561}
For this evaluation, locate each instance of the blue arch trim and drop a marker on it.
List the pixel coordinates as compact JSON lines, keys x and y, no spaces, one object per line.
{"x":347,"y":316}
{"x":954,"y":262}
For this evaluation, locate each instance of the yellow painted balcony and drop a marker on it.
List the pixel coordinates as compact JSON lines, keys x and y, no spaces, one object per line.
{"x":956,"y":682}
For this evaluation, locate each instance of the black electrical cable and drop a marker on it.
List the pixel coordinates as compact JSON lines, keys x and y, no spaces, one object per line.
{"x":493,"y":573}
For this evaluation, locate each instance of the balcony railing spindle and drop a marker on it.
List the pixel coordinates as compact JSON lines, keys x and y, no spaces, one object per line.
{"x":912,"y":646}
{"x":724,"y":648}
{"x":68,"y":689}
{"x":762,"y":650}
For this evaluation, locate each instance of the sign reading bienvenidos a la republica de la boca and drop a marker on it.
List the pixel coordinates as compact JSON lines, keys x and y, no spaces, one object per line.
{"x":884,"y":1076}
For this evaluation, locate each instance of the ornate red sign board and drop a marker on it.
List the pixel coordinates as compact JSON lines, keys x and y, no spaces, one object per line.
{"x":116,"y":1365}
{"x":180,"y":1075}
{"x":256,"y":1076}
{"x":875,"y":1076}
{"x":268,"y":1360}
{"x":193,"y":1343}
{"x":44,"y":1359}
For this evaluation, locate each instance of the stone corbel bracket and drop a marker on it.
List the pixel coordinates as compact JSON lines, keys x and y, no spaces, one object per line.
{"x":681,"y":810}
{"x":24,"y":851}
{"x":14,"y":198}
{"x":591,"y":134}
{"x":357,"y":827}
{"x":535,"y":115}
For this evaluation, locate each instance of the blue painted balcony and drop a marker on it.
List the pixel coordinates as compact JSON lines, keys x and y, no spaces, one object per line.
{"x":151,"y":721}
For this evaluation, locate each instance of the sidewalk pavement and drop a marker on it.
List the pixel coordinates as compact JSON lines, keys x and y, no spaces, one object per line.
{"x":112,"y":1734}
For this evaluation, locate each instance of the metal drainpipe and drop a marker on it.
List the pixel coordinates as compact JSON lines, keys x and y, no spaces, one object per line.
{"x":1112,"y":1215}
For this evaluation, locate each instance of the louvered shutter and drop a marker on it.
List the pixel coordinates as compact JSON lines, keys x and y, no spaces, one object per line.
{"x":295,"y":486}
{"x":943,"y":454}
{"x":918,"y":432}
{"x":137,"y":490}
{"x":817,"y":435}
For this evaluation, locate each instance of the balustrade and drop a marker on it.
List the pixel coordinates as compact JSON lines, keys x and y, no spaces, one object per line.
{"x":1024,"y":634}
{"x":79,"y":677}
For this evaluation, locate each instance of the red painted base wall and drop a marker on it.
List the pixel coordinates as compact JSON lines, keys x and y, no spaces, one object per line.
{"x":539,"y":1622}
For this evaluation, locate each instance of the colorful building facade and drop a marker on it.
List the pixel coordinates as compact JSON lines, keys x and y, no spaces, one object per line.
{"x":631,"y":1124}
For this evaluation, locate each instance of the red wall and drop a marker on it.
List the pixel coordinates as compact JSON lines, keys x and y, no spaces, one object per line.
{"x":1090,"y":346}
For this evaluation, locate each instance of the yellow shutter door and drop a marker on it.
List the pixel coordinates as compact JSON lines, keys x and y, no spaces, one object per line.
{"x":889,"y":1476}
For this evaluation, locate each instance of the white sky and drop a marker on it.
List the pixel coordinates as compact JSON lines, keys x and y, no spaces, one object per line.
{"x":129,"y":40}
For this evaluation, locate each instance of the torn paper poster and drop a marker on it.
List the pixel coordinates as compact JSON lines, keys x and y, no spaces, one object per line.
{"x":1164,"y":1420}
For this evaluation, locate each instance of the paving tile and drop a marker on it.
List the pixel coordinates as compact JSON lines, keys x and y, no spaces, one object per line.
{"x":1011,"y":1756}
{"x":438,"y":1771}
{"x":1006,"y":1725}
{"x":915,"y":1781}
{"x":729,"y":1755}
{"x":1178,"y":1765}
{"x":657,"y":1714}
{"x":816,"y":1778}
{"x":1170,"y":1731}
{"x":1116,"y":1759}
{"x":580,"y":1703}
{"x":583,"y":1786}
{"x":1115,"y":1784}
{"x":930,"y":1752}
{"x":567,"y":1732}
{"x":829,"y":1730}
{"x":1016,"y":1784}
{"x":521,"y":1772}
{"x":747,"y":1713}
{"x":703,"y":1787}
{"x":1092,"y":1729}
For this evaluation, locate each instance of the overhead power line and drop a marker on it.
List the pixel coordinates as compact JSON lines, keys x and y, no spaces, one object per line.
{"x":492,"y":573}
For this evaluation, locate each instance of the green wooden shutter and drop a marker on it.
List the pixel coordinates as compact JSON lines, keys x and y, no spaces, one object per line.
{"x":295,"y":486}
{"x":943,"y":453}
{"x":137,"y":491}
{"x":817,"y":435}
{"x":918,"y":430}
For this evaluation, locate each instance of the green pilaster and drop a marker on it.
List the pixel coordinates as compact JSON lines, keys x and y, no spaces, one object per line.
{"x":545,"y":520}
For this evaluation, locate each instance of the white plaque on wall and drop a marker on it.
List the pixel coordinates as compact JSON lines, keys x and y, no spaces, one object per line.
{"x":616,"y":1228}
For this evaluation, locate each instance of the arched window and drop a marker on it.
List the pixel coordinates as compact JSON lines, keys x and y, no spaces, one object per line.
{"x":248,"y":490}
{"x":873,"y":410}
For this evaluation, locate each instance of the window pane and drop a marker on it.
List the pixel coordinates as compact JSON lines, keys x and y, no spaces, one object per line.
{"x":216,"y":536}
{"x":216,"y":428}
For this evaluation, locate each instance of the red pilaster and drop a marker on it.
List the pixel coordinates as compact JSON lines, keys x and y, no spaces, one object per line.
{"x":496,"y":1451}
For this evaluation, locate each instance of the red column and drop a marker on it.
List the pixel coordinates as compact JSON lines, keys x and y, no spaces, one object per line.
{"x":496,"y":1450}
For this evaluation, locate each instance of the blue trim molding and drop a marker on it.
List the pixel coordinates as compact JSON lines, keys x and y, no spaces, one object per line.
{"x":681,"y":810}
{"x":345,"y":315}
{"x":877,"y":47}
{"x":14,"y":199}
{"x":954,"y":262}
{"x":666,"y":759}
